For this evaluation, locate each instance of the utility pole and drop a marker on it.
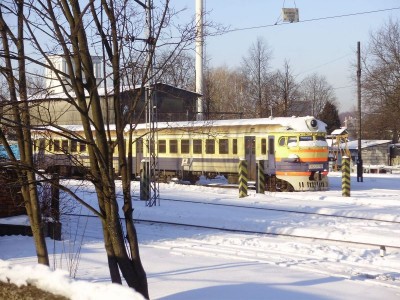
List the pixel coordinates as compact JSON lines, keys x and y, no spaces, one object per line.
{"x":151,"y":112}
{"x":199,"y":59}
{"x":359,"y":157}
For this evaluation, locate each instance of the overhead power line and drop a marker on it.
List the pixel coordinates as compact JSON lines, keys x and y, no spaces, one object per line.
{"x":308,"y":20}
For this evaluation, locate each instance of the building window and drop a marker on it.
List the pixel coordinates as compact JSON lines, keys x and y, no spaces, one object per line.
{"x":234,"y":146}
{"x":173,"y":146}
{"x":197,"y":148}
{"x":210,"y":146}
{"x":185,"y":146}
{"x":162,"y":146}
{"x":223,"y":146}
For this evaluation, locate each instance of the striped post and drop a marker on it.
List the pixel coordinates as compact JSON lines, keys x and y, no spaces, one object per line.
{"x":242,"y":178}
{"x":260,"y":186}
{"x":345,"y":176}
{"x":144,"y":181}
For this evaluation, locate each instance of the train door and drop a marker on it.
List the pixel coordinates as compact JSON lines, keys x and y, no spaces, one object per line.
{"x":271,"y":156}
{"x":250,"y":156}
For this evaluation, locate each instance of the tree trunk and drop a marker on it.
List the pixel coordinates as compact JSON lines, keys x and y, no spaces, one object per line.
{"x":22,"y":120}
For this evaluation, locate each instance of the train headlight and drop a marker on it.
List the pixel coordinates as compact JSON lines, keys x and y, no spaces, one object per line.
{"x":312,"y":124}
{"x":293,"y":158}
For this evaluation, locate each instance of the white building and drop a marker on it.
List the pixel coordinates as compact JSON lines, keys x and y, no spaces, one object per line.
{"x":53,"y":84}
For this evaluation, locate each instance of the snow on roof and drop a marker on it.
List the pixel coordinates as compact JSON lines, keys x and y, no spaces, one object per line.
{"x":353,"y":145}
{"x":339,"y":131}
{"x":101,"y":90}
{"x":285,"y":124}
{"x":288,"y":123}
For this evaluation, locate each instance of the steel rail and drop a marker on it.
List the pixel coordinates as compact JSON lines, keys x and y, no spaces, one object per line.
{"x":284,"y":210}
{"x":250,"y":232}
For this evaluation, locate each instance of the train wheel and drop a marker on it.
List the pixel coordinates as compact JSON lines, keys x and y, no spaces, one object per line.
{"x":287,"y":188}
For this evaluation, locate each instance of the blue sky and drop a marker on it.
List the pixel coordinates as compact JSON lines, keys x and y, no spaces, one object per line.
{"x":327,"y":47}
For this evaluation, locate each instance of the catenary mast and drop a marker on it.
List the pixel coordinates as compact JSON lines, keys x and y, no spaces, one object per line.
{"x":199,"y":59}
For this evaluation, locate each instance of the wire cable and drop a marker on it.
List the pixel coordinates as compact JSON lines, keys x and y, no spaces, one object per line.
{"x":304,"y":21}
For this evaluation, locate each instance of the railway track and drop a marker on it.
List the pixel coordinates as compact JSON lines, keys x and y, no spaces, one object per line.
{"x":320,"y":255}
{"x":377,"y":219}
{"x":257,"y":232}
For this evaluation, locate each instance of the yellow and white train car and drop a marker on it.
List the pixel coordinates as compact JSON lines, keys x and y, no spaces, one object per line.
{"x":293,"y":150}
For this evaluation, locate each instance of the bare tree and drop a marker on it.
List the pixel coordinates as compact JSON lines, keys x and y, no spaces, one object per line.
{"x":15,"y":74}
{"x":225,"y":94}
{"x":381,"y":82}
{"x":255,"y":68}
{"x":285,"y":92}
{"x":114,"y":31}
{"x":316,"y":92}
{"x":177,"y":70}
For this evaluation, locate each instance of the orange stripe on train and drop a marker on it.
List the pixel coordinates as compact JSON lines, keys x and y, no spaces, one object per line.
{"x":288,"y":173}
{"x":324,"y":150}
{"x":305,"y":159}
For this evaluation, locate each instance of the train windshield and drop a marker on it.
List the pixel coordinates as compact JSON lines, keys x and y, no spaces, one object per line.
{"x":303,"y":141}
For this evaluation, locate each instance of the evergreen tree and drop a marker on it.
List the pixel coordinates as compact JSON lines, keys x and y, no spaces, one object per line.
{"x":330,"y":116}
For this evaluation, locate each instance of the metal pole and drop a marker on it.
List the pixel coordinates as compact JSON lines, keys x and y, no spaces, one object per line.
{"x":359,"y":157}
{"x":243,"y":178}
{"x":151,"y":111}
{"x":260,"y":186}
{"x":199,"y":58}
{"x":345,"y":176}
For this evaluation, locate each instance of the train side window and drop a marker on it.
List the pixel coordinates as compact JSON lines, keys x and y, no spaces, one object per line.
{"x":320,"y":138}
{"x":56,"y":145}
{"x":223,"y":146}
{"x":162,"y":146}
{"x":234,"y":146}
{"x":139,"y":146}
{"x":35,"y":144}
{"x":152,"y":146}
{"x":292,"y":141}
{"x":82,"y":147}
{"x":210,"y":146}
{"x":282,"y":141}
{"x":197,"y":148}
{"x":305,"y":138}
{"x":173,"y":146}
{"x":263,"y":146}
{"x":42,"y":145}
{"x":64,"y":145}
{"x":74,"y":146}
{"x":185,"y":146}
{"x":271,"y":146}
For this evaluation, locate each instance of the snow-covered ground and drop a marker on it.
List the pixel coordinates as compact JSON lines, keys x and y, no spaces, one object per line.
{"x":203,"y":263}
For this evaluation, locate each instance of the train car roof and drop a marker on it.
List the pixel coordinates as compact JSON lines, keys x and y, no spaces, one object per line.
{"x":301,"y":124}
{"x":286,"y":123}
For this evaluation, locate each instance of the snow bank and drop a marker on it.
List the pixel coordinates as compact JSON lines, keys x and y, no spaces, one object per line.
{"x":58,"y":282}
